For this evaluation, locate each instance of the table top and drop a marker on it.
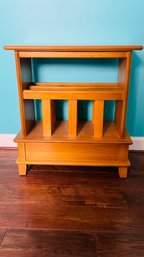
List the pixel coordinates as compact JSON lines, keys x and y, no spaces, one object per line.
{"x":102,"y":48}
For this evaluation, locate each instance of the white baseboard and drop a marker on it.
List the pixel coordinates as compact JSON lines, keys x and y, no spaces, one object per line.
{"x":6,"y":140}
{"x":138,"y":144}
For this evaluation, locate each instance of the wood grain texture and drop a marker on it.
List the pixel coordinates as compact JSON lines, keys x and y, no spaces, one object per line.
{"x":61,"y":149}
{"x":24,"y":78}
{"x":72,"y":118}
{"x":73,"y":86}
{"x":98,"y":118}
{"x":76,"y":154}
{"x":48,"y":117}
{"x":75,"y":48}
{"x":85,"y":134}
{"x":71,"y":211}
{"x":120,"y":244}
{"x":72,"y":54}
{"x":46,"y":243}
{"x":86,"y":149}
{"x":22,"y":159}
{"x":116,"y":93}
{"x":121,"y":106}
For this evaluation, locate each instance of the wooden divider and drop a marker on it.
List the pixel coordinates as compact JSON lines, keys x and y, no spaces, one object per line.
{"x":48,"y":117}
{"x":72,"y":118}
{"x":98,"y":118}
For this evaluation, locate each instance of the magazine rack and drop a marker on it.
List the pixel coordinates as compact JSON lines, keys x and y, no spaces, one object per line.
{"x":90,"y":143}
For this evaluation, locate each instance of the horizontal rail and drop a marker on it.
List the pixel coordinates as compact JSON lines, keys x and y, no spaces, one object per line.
{"x":99,"y":94}
{"x":69,"y":54}
{"x":73,"y":86}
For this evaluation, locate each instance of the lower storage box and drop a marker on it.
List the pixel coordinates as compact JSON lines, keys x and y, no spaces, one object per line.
{"x":76,"y":153}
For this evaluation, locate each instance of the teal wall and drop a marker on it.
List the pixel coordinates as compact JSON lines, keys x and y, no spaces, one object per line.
{"x":71,"y":22}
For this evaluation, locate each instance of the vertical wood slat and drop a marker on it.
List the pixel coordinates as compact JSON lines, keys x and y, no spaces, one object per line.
{"x":121,"y":106}
{"x":98,"y":117}
{"x":48,"y":117}
{"x":72,"y":118}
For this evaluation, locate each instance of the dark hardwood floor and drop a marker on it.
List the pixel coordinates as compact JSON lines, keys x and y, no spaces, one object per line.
{"x":71,"y":211}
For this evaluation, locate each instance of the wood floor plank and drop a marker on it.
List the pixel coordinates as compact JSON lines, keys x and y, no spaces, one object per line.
{"x":137,"y":161}
{"x":120,"y":245}
{"x":48,"y":243}
{"x":72,"y":218}
{"x":61,"y":195}
{"x":135,"y":199}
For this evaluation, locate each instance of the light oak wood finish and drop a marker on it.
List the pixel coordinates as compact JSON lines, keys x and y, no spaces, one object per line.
{"x":123,"y":78}
{"x":24,"y":78}
{"x":75,"y":154}
{"x":71,"y":86}
{"x":22,"y":169}
{"x":123,"y":172}
{"x":85,"y":134}
{"x":108,"y":48}
{"x":98,"y":118}
{"x":48,"y":117}
{"x":72,"y":142}
{"x":21,"y":161}
{"x":72,"y":54}
{"x":72,"y":117}
{"x":98,"y":93}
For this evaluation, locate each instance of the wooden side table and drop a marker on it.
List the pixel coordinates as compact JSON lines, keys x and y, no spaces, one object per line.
{"x":92,"y":143}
